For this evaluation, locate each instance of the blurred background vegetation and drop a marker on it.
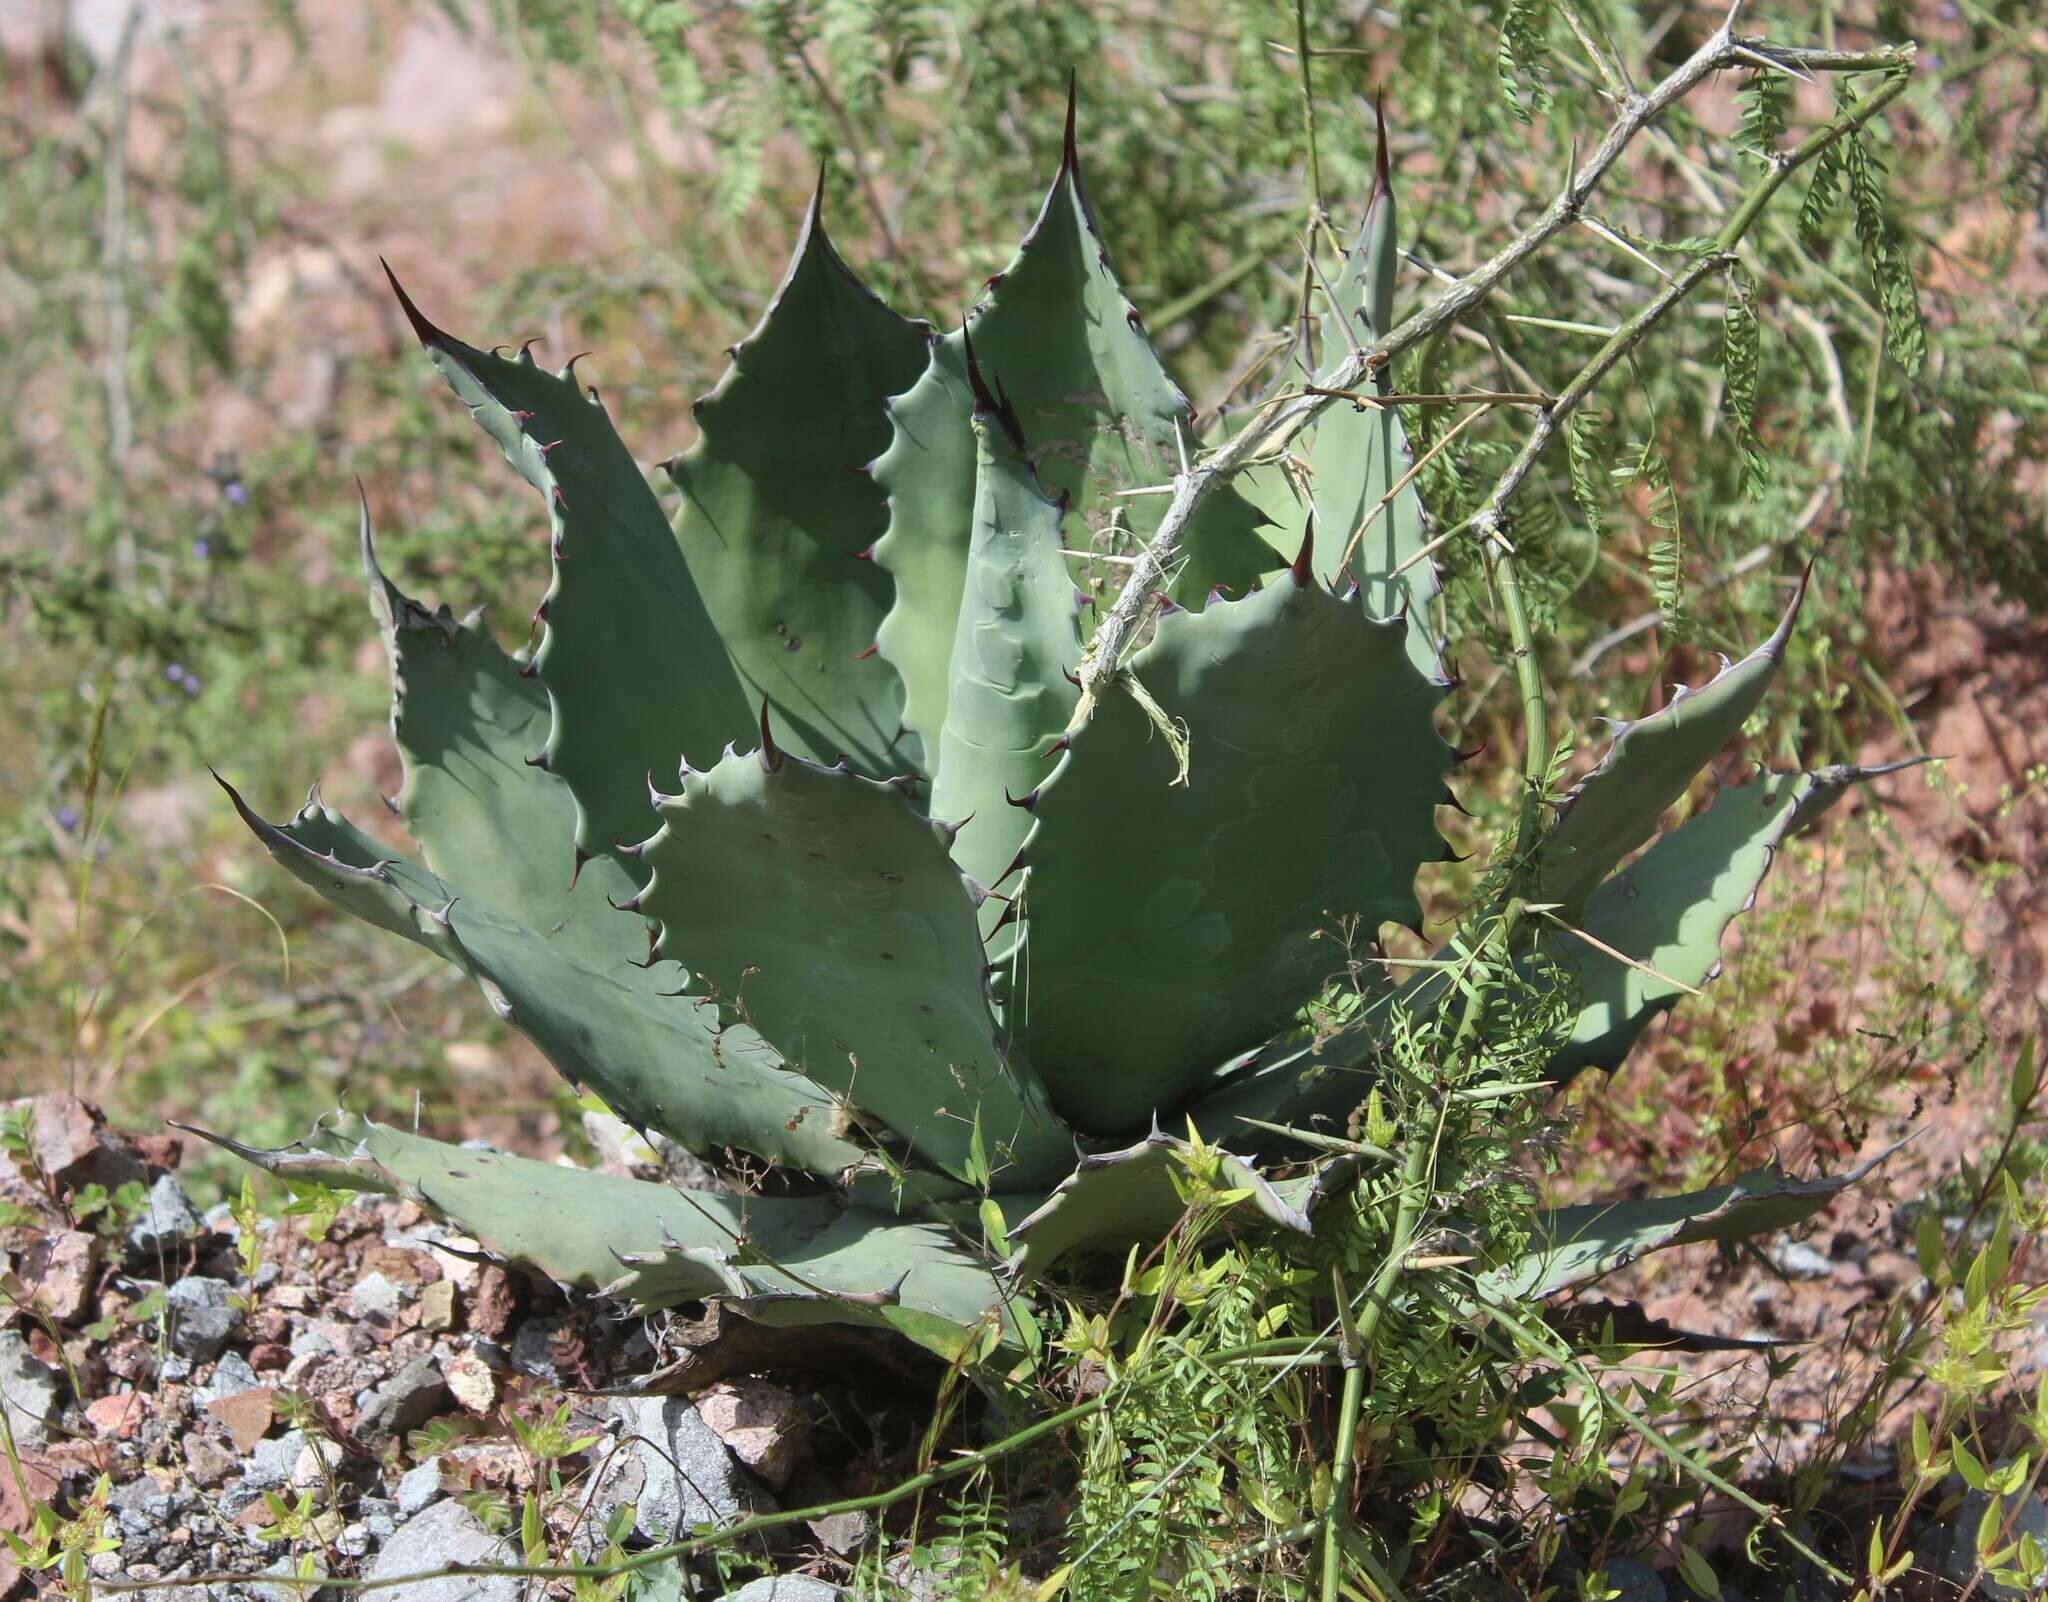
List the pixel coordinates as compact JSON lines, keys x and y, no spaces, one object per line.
{"x":203,"y":363}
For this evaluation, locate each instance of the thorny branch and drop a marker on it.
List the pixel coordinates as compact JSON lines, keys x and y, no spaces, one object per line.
{"x":1286,"y":416}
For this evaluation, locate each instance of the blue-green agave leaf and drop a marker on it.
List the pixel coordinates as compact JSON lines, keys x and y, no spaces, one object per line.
{"x":1172,"y":920}
{"x":1615,"y":808}
{"x":779,"y":516}
{"x":1015,"y":650}
{"x":821,"y":908}
{"x":629,"y":656}
{"x":778,"y":1260}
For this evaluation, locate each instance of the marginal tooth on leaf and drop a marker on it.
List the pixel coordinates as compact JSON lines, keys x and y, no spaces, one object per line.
{"x":867,"y":555}
{"x":440,"y":915}
{"x":1298,"y":569}
{"x":1448,"y":855}
{"x":906,"y":783}
{"x":526,"y":350}
{"x":1460,"y":758}
{"x":1168,"y":605}
{"x":561,"y":500}
{"x":1216,"y":594}
{"x":873,"y":647}
{"x":1016,"y":862}
{"x":1082,"y":599}
{"x":522,"y":418}
{"x":655,"y":798}
{"x":1071,"y":677}
{"x":390,"y":804}
{"x":568,"y":370}
{"x":949,"y":832}
{"x":530,"y":668}
{"x":576,"y":872}
{"x":538,"y":760}
{"x":1028,"y":800}
{"x":977,"y":892}
{"x":771,"y":755}
{"x":544,"y":449}
{"x":1009,"y":916}
{"x":630,"y":904}
{"x":653,"y":944}
{"x":424,"y":331}
{"x":629,"y":849}
{"x":1450,"y":799}
{"x":991,"y":282}
{"x":1133,"y":319}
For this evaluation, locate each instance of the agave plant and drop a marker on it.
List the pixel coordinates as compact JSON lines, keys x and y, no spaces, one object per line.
{"x":785,"y":834}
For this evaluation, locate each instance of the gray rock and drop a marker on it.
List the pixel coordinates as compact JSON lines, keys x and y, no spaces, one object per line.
{"x":231,"y":1376}
{"x":283,"y":1590}
{"x":1956,"y":1543}
{"x":447,"y":1533}
{"x":199,"y":1317}
{"x":785,"y":1588}
{"x":1635,"y":1580}
{"x":530,"y":1349}
{"x":374,"y":1295}
{"x":419,"y":1486}
{"x":165,"y":1221}
{"x":270,"y":1466}
{"x":403,"y":1402}
{"x":28,"y":1392}
{"x":843,"y":1533}
{"x":687,"y":1476}
{"x":1797,"y":1260}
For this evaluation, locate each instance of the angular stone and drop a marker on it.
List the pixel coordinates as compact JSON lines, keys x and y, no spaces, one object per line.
{"x":59,"y":1270}
{"x":230,"y":1377}
{"x":495,"y":1301}
{"x":471,"y":1382}
{"x":116,"y":1418}
{"x":199,"y":1317}
{"x":447,"y":1533}
{"x":688,"y":1475}
{"x":786,"y":1588}
{"x":165,"y":1222}
{"x":247,"y":1416}
{"x":1797,"y":1260}
{"x":403,"y":1402}
{"x":419,"y":1486}
{"x":437,"y":1305}
{"x":766,"y":1427}
{"x":376,"y":1296}
{"x":28,"y":1392}
{"x":208,"y":1463}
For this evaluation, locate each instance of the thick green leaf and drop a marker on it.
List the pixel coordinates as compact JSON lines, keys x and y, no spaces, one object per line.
{"x":656,"y":1061}
{"x":1670,"y":908}
{"x":1652,"y":762}
{"x":1356,"y":454}
{"x":633,"y":667}
{"x":1058,"y":335}
{"x":1013,"y":651}
{"x":465,"y":717}
{"x":778,"y":515}
{"x":779,"y":1260}
{"x":1170,"y":924}
{"x":1577,"y":1243}
{"x":928,"y":474}
{"x":821,"y":908}
{"x":1117,"y":1197}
